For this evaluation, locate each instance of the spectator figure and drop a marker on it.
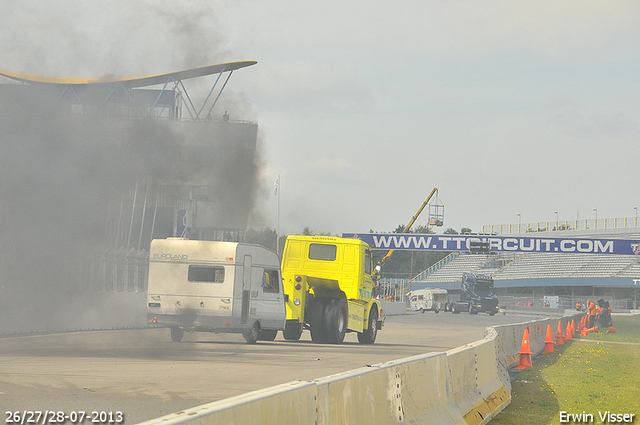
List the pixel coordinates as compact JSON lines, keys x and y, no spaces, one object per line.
{"x":592,"y":313}
{"x":605,"y":315}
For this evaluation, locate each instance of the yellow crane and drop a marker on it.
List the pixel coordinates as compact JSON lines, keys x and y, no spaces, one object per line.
{"x":436,"y":218}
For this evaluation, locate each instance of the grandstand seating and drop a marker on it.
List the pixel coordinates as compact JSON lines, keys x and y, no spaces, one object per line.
{"x":633,"y":270}
{"x":536,"y":265}
{"x":519,"y":269}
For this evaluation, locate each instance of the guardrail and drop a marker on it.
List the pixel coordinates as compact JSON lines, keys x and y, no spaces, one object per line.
{"x":466,"y":385}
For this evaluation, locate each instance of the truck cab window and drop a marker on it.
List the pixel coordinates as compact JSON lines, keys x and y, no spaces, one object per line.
{"x":270,"y":282}
{"x":322,"y":252}
{"x":206,"y":274}
{"x":367,"y":262}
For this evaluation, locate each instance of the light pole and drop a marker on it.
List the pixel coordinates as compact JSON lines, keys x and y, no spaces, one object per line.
{"x":635,"y":224}
{"x":519,"y":222}
{"x":276,"y":191}
{"x":557,"y":220}
{"x":596,"y":223}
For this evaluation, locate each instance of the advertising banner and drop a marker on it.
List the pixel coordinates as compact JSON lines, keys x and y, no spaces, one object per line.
{"x":497,"y":243}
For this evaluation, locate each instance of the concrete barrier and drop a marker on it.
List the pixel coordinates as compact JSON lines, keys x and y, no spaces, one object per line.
{"x":412,"y":390}
{"x":390,"y":308}
{"x":477,"y":389}
{"x":290,"y":403}
{"x":466,"y":385}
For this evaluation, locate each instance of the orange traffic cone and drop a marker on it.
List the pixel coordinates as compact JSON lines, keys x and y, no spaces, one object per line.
{"x":548,"y":342}
{"x":611,"y":330}
{"x":567,"y":333}
{"x":559,"y":337}
{"x":580,"y":324}
{"x":586,"y":331}
{"x":525,"y":352}
{"x":573,"y":327}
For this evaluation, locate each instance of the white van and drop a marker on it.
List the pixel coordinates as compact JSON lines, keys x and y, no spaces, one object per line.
{"x":215,"y":286}
{"x":428,"y":299}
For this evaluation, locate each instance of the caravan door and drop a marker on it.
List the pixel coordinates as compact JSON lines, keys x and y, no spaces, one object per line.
{"x":246,"y":289}
{"x":268,"y":298}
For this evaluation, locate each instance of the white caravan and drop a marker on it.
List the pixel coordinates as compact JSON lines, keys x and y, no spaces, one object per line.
{"x":215,"y":286}
{"x":428,"y":299}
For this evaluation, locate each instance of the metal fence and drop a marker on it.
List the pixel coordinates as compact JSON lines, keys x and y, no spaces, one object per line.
{"x":564,"y":302}
{"x":558,"y":225}
{"x":393,"y":289}
{"x":118,"y":270}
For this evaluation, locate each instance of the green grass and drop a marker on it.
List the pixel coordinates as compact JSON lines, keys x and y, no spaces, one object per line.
{"x":580,"y":377}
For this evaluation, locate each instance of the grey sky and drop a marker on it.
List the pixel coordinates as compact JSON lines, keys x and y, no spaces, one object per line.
{"x":365,"y":106}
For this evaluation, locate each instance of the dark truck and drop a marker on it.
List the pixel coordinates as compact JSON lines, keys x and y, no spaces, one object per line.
{"x":476,"y":295}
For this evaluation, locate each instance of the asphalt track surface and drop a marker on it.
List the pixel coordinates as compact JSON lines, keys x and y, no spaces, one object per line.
{"x":143,"y":374}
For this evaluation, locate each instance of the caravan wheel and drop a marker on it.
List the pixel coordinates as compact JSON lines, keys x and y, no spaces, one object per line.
{"x":251,"y":336}
{"x":177,"y":334}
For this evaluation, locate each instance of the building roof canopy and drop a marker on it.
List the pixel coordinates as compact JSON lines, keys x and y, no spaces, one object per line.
{"x":129,"y":82}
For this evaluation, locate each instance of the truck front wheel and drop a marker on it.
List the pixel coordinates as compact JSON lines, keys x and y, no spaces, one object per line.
{"x":369,"y":334}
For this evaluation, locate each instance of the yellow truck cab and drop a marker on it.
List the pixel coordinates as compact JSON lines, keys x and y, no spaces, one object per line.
{"x":328,"y":289}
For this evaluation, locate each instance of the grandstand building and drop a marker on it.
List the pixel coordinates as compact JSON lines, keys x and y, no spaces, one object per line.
{"x":550,"y":278}
{"x":95,"y":168}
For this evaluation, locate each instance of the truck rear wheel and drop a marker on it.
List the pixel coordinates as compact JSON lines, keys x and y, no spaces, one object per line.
{"x":336,"y":320}
{"x":267,"y":335}
{"x":317,"y":312}
{"x":369,"y":334}
{"x":292,"y":330}
{"x":177,"y":334}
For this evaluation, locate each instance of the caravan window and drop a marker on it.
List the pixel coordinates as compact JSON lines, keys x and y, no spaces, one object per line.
{"x":270,"y":282}
{"x":322,"y":252}
{"x":206,"y":274}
